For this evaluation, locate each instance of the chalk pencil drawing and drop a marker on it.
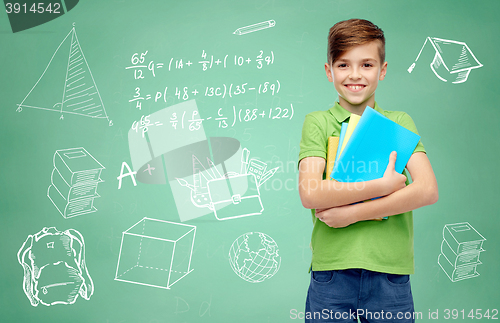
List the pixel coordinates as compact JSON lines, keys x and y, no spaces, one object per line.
{"x":155,"y":253}
{"x":460,"y":250}
{"x":67,"y":84}
{"x":55,"y":270}
{"x":254,"y":257}
{"x":255,"y":27}
{"x":453,"y":60}
{"x":74,"y":180}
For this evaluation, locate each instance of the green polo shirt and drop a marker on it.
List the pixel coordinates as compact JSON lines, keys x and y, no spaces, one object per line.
{"x":383,"y":246}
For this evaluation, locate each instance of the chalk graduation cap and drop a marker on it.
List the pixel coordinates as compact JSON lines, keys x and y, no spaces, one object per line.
{"x":453,"y":60}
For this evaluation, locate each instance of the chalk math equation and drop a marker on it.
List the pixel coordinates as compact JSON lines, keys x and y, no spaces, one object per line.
{"x":223,"y":90}
{"x":194,"y":122}
{"x":141,"y":66}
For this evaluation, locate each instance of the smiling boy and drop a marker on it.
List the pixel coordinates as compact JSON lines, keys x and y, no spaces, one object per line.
{"x":360,"y":268}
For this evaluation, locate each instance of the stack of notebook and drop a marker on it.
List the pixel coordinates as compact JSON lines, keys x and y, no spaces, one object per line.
{"x":362,"y":151}
{"x":74,"y":181}
{"x":460,"y":251}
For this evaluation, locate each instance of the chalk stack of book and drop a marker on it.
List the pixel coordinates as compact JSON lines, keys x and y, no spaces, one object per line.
{"x":74,"y":182}
{"x":460,"y":250}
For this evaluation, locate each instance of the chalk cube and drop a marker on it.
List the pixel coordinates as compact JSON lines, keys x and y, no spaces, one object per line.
{"x":155,"y":253}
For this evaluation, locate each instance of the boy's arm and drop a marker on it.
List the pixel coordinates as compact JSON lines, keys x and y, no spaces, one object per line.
{"x":421,"y":192}
{"x":317,"y":193}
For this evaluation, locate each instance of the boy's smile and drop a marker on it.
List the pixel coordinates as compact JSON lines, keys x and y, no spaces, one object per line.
{"x":355,"y":76}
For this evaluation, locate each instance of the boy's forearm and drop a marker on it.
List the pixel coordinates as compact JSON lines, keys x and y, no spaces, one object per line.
{"x":317,"y":194}
{"x":412,"y":197}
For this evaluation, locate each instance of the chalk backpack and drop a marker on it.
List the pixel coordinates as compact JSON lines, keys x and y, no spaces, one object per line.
{"x":54,"y":267}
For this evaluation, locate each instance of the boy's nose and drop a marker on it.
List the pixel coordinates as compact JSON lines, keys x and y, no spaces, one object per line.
{"x":354,"y":74}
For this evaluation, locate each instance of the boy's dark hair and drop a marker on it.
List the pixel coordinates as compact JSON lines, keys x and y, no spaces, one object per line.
{"x":348,"y":33}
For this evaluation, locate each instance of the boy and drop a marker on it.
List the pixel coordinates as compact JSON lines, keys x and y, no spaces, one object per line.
{"x":360,"y":267}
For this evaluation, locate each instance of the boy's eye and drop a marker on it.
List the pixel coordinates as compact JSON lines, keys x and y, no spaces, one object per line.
{"x":367,"y":65}
{"x":342,"y":65}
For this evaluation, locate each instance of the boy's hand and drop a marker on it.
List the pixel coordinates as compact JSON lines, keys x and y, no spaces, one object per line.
{"x":394,"y":180}
{"x":336,"y":217}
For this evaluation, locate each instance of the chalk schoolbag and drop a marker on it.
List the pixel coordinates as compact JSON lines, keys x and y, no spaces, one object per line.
{"x":54,"y":265}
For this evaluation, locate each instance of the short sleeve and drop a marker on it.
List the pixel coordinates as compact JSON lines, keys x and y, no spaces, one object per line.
{"x":406,"y":121}
{"x":314,"y":140}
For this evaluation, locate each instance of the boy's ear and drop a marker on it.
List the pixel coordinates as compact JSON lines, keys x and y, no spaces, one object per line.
{"x":328,"y":71}
{"x":383,"y":71}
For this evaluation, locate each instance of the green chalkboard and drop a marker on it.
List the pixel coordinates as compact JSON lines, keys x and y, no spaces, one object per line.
{"x":149,"y":155}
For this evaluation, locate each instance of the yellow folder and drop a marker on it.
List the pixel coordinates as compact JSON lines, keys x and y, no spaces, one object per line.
{"x":333,"y":143}
{"x":353,"y":122}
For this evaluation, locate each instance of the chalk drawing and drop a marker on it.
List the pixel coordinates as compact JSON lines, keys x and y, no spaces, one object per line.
{"x":453,"y":60}
{"x":460,"y":250}
{"x":155,"y":253}
{"x":254,"y":257}
{"x":67,"y":84}
{"x":55,"y":271}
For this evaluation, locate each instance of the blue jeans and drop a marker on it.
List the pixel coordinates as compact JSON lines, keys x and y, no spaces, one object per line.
{"x":345,"y":295}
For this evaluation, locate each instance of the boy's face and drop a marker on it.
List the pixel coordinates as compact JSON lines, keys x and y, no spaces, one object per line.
{"x":355,"y":75}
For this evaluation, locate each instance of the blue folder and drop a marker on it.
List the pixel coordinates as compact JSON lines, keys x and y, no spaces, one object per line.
{"x":366,"y":155}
